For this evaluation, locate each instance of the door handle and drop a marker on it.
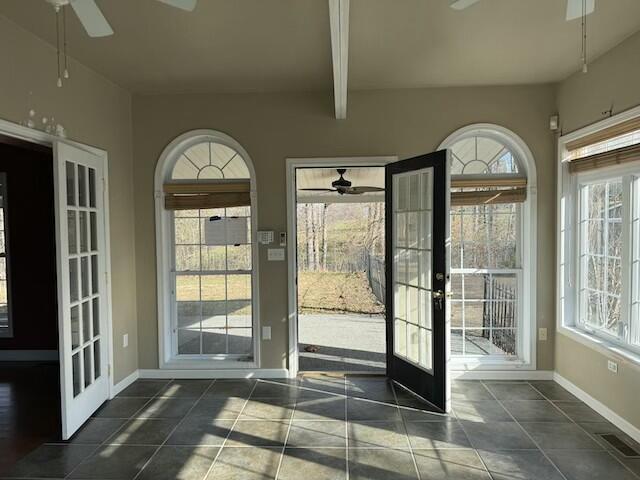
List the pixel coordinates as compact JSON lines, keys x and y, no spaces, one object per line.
{"x":438,"y":297}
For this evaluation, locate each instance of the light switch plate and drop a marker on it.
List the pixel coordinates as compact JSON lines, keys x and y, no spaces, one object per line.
{"x":266,"y":333}
{"x":125,"y":340}
{"x":542,"y":334}
{"x":275,"y":254}
{"x":612,"y":366}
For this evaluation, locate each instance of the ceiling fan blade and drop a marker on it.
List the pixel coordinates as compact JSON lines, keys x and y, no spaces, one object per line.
{"x":91,"y":18}
{"x":363,"y":189}
{"x":317,"y":190}
{"x":574,"y":8}
{"x":188,"y":5}
{"x":462,"y":4}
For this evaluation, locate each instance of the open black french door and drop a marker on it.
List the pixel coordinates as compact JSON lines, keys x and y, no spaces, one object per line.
{"x":417,"y":232}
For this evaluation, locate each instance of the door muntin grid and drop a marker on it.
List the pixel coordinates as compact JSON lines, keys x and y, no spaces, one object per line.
{"x":212,"y":289}
{"x":82,"y":214}
{"x":412,"y":267}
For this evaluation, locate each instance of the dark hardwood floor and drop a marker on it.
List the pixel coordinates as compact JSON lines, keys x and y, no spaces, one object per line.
{"x":29,"y":408}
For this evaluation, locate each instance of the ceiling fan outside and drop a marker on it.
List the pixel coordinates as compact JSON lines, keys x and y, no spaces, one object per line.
{"x":95,"y":23}
{"x":574,"y":7}
{"x":343,"y":186}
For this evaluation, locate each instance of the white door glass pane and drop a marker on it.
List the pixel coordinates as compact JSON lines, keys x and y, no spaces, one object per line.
{"x":412,"y":267}
{"x":401,"y":229}
{"x":400,"y":336}
{"x":71,"y":184}
{"x":86,"y":322}
{"x":92,"y":187}
{"x":94,"y":231}
{"x":72,"y":232}
{"x":97,"y":370}
{"x":412,"y":229}
{"x":424,"y":261}
{"x":82,"y":186}
{"x":75,"y":327}
{"x":425,"y":309}
{"x":84,"y":276}
{"x":413,"y":306}
{"x":76,"y":374}
{"x":83,"y":225}
{"x":400,"y":301}
{"x":426,"y":349}
{"x":424,"y":236}
{"x":96,"y":317}
{"x":95,"y":286}
{"x":88,"y":370}
{"x":73,"y":279}
{"x":413,"y":337}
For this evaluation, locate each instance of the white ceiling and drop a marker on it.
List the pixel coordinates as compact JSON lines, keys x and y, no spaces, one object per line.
{"x":284,"y":45}
{"x":322,"y":178}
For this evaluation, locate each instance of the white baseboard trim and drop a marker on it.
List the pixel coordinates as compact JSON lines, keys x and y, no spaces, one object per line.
{"x":29,"y":356}
{"x":124,"y":383}
{"x":501,"y":374}
{"x":598,"y":406}
{"x":230,"y":373}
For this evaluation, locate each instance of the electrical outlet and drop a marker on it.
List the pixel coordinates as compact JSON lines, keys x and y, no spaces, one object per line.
{"x":266,"y":333}
{"x":125,"y":340}
{"x":612,"y":366}
{"x":542,"y":334}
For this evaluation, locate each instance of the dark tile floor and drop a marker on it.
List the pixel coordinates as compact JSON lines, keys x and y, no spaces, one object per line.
{"x":328,"y":427}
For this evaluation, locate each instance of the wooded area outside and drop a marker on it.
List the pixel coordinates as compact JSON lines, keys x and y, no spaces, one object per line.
{"x":336,"y":242}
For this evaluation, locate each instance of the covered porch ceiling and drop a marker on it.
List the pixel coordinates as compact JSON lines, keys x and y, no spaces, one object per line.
{"x":322,"y":178}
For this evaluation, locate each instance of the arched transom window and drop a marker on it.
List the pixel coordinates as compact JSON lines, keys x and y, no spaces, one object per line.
{"x":207,"y":203}
{"x":488,"y":190}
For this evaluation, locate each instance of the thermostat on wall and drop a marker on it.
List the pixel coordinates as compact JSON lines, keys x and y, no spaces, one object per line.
{"x":265,"y":237}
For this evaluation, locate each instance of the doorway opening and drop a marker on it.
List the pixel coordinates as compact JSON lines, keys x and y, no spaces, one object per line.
{"x":340,"y":239}
{"x":29,"y":365}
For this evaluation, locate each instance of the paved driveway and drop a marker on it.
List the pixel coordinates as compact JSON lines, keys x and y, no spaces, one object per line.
{"x":346,"y":342}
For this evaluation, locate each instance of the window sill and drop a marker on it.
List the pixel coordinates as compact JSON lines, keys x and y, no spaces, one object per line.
{"x":193,"y":364}
{"x":489,"y":363}
{"x":600,"y":345}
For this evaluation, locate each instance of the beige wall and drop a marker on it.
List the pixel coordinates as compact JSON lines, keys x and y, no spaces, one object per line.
{"x":272,"y":127}
{"x":613,"y":79}
{"x":96,"y":112}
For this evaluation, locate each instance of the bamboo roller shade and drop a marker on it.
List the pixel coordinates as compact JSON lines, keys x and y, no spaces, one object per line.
{"x":488,"y":182}
{"x":513,"y":195}
{"x":606,"y":159}
{"x":605,"y":134}
{"x":189,"y":196}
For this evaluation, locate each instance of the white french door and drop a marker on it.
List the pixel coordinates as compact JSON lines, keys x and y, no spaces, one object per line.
{"x":82,"y":284}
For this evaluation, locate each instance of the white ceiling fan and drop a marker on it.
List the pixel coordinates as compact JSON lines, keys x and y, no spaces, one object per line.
{"x":94,"y":21}
{"x":574,"y":7}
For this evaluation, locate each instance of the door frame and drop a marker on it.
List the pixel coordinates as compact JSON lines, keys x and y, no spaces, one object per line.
{"x":292,"y":228}
{"x":31,"y":135}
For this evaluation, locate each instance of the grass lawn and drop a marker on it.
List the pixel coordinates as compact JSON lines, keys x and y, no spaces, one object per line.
{"x":320,"y":292}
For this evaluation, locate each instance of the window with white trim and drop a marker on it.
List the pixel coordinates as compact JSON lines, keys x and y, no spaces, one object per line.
{"x":489,"y":189}
{"x":211,"y":274}
{"x":600,"y":234}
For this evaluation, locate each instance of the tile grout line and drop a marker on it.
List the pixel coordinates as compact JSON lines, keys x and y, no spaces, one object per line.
{"x":127,"y":420}
{"x":104,"y":442}
{"x":174,"y":428}
{"x":475,"y":450}
{"x":286,"y":437}
{"x":229,"y":433}
{"x":592,"y":436}
{"x":523,"y":429}
{"x":406,"y":432}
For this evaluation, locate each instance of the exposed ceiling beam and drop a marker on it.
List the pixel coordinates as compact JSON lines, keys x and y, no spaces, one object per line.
{"x":339,"y":20}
